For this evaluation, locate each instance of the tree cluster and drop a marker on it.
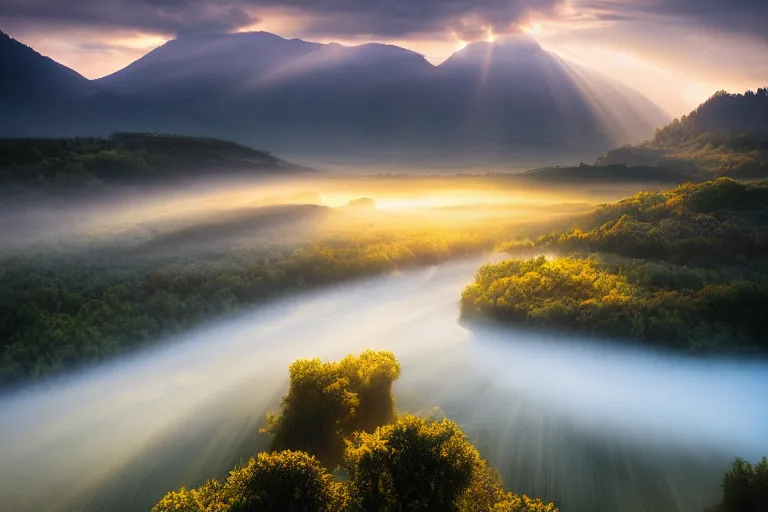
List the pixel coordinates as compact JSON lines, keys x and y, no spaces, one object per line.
{"x":342,"y":412}
{"x":74,"y":163}
{"x":56,"y":314}
{"x":725,"y":136}
{"x":745,"y":487}
{"x":686,"y":268}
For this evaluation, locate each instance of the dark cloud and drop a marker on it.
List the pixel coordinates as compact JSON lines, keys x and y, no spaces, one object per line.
{"x":471,"y":19}
{"x":380,"y":18}
{"x":173,"y":17}
{"x":747,"y":17}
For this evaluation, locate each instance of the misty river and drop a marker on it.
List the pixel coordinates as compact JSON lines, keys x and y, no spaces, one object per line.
{"x":592,"y":426}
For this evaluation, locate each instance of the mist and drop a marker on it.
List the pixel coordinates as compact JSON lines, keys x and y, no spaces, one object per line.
{"x":595,"y":425}
{"x":221,"y":213}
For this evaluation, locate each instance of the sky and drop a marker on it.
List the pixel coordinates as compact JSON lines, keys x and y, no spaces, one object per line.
{"x":676,"y":52}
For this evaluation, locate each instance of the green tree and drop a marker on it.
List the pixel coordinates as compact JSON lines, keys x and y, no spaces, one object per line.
{"x":412,"y":464}
{"x":328,"y":401}
{"x":745,"y":487}
{"x":283,"y":482}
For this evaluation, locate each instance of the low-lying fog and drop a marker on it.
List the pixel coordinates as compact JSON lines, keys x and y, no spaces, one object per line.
{"x":595,"y":427}
{"x":275,"y":210}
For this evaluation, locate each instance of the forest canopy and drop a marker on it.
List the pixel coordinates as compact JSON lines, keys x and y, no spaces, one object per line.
{"x":684,"y":268}
{"x":725,"y":136}
{"x":83,"y":162}
{"x":57,"y":313}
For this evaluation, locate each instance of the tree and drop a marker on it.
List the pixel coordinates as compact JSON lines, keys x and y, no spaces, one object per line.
{"x":745,"y":487}
{"x":412,"y":464}
{"x":326,"y":402}
{"x":206,"y":498}
{"x":283,"y":482}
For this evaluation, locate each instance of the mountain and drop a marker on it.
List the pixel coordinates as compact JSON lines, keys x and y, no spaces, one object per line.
{"x":29,"y":81}
{"x":512,"y":90}
{"x":501,"y":100}
{"x":725,"y":136}
{"x":42,"y":98}
{"x":190,"y":66}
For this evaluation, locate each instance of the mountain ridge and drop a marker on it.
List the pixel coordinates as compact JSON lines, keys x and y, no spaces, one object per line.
{"x":295,"y":96}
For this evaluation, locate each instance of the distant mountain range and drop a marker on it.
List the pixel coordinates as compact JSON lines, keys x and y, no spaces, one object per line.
{"x":507,"y":99}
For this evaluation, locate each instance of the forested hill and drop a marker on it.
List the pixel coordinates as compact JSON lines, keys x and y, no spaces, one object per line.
{"x":725,"y":136}
{"x":72,"y":163}
{"x":722,"y":113}
{"x":686,"y":268}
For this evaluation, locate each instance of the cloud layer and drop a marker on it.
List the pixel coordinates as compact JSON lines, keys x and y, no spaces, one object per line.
{"x":746,"y":17}
{"x":470,"y":19}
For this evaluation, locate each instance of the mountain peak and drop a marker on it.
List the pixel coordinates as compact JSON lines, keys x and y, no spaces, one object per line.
{"x":511,"y":46}
{"x":24,"y":73}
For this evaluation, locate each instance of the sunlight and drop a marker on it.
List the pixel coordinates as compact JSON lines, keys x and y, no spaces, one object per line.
{"x":533,"y":28}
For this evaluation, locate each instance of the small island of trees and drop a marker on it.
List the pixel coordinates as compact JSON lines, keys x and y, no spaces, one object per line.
{"x":339,"y":446}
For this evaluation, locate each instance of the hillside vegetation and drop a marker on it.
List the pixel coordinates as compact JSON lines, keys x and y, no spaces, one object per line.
{"x":686,"y":268}
{"x":55,"y":164}
{"x":725,"y":136}
{"x":393,"y":463}
{"x":60,"y":312}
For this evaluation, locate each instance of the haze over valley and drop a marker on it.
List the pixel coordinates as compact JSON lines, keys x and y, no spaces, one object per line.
{"x":342,"y":256}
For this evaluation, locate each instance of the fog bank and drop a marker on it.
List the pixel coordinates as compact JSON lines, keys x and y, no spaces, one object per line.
{"x":592,"y":426}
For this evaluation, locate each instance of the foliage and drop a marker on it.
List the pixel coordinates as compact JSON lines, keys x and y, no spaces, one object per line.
{"x":57,"y":164}
{"x":718,"y":223}
{"x":282,"y":482}
{"x":56,"y":313}
{"x":745,"y":487}
{"x":327,"y":402}
{"x":407,"y":464}
{"x":271,"y":482}
{"x":206,"y":498}
{"x":686,"y":267}
{"x":721,"y":113}
{"x":413,"y":464}
{"x":725,"y":136}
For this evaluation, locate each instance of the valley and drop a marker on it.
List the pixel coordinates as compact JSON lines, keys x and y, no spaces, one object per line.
{"x":244,"y":272}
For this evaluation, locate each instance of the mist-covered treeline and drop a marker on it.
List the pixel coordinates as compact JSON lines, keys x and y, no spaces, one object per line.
{"x":55,"y":165}
{"x":57,"y":313}
{"x":686,"y":267}
{"x":338,"y":446}
{"x":724,"y":136}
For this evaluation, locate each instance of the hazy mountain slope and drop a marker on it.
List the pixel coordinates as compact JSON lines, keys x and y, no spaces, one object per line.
{"x":58,"y":164}
{"x":727,"y":135}
{"x":514,"y":91}
{"x":27,"y":76}
{"x":501,"y":101}
{"x":494,"y":98}
{"x":211,"y":63}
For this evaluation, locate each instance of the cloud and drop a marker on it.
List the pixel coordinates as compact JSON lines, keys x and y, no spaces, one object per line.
{"x":173,"y":17}
{"x":378,"y":19}
{"x":741,"y":17}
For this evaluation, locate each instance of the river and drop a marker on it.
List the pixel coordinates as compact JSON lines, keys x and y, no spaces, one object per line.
{"x":593,"y":426}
